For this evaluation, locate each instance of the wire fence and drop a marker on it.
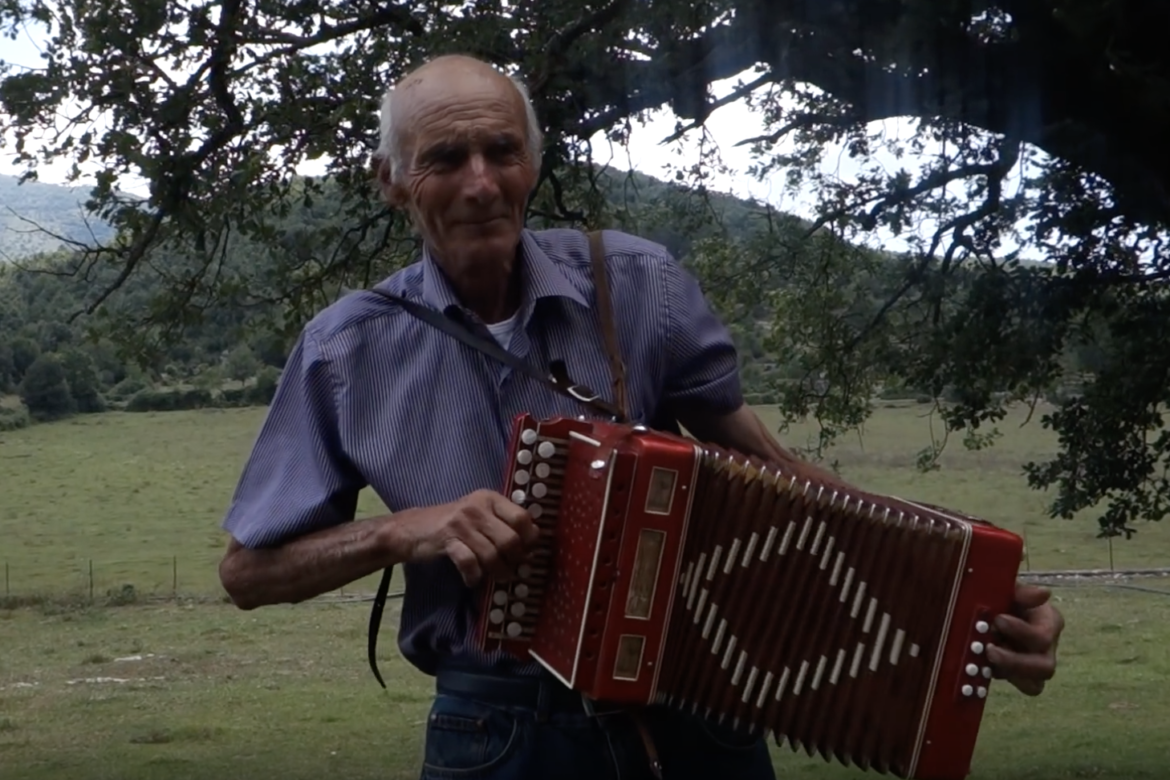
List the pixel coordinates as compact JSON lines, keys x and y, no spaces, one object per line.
{"x":123,"y":582}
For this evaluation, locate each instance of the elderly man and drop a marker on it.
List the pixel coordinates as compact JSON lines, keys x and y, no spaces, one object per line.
{"x":372,"y":396}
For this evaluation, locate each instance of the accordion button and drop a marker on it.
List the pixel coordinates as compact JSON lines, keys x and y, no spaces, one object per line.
{"x":528,"y":436}
{"x":546,"y":449}
{"x":497,"y":616}
{"x":542,"y":470}
{"x":500,"y":597}
{"x":982,"y":627}
{"x":524,"y":457}
{"x":972,"y":669}
{"x":976,"y":647}
{"x":539,"y":490}
{"x":518,"y":609}
{"x":513,"y":630}
{"x":518,"y":496}
{"x":597,"y":464}
{"x":521,"y":477}
{"x":987,"y":672}
{"x":536,"y":511}
{"x":522,"y":592}
{"x":982,"y":692}
{"x":968,"y":690}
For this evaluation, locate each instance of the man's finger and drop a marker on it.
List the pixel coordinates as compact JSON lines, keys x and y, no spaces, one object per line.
{"x":1031,"y":596}
{"x":518,"y":518}
{"x":1022,"y":635}
{"x":1014,"y":665}
{"x":465,"y":561}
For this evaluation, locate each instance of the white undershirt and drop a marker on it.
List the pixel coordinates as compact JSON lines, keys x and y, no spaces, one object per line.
{"x":503,"y":331}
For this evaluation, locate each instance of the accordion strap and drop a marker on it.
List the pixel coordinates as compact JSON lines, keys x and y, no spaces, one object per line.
{"x":608,"y":324}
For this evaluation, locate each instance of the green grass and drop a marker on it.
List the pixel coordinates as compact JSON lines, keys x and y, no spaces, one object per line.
{"x":284,"y":693}
{"x":201,"y":690}
{"x":140,"y":496}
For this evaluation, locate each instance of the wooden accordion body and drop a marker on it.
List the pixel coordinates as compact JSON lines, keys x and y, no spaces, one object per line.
{"x":675,"y":573}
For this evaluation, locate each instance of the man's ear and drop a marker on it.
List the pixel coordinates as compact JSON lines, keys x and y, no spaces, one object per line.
{"x":393,"y":193}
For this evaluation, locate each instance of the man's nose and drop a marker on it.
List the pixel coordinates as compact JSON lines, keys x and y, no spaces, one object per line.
{"x":481,"y":180}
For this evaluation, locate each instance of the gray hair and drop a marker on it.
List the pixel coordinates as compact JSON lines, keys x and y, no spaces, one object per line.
{"x":390,"y":148}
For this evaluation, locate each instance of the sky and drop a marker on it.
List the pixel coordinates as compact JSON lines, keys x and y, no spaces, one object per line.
{"x":645,"y":153}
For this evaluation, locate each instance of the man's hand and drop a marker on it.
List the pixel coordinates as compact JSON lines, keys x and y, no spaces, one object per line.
{"x":1024,"y":653}
{"x":482,"y":533}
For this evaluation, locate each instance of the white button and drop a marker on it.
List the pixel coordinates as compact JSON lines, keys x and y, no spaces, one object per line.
{"x":987,"y":672}
{"x":546,"y":449}
{"x":521,"y":477}
{"x":982,"y":692}
{"x":982,"y":627}
{"x":539,"y":490}
{"x":513,"y":629}
{"x":518,"y":496}
{"x":528,"y":436}
{"x":968,"y":690}
{"x":524,"y":457}
{"x":521,"y":591}
{"x":518,"y":609}
{"x":543,"y":470}
{"x":535,"y":510}
{"x":500,"y":597}
{"x":976,"y":647}
{"x":972,"y":669}
{"x":497,"y":616}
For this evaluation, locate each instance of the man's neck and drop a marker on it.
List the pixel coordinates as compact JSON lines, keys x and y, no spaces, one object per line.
{"x":492,"y":299}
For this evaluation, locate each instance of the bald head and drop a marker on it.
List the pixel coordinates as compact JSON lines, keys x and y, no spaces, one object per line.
{"x":450,"y":78}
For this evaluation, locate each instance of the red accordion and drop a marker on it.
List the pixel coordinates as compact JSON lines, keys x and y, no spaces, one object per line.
{"x":676,"y":573}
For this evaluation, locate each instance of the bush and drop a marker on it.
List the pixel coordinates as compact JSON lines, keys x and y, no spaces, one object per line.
{"x":128,"y":387}
{"x":170,"y":400}
{"x":14,"y":419}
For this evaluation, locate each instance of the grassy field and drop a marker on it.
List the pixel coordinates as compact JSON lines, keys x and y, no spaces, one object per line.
{"x":198,"y":690}
{"x":204,"y":692}
{"x":140,"y":497}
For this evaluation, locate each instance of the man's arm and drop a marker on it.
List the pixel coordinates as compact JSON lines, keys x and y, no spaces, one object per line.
{"x":743,"y":431}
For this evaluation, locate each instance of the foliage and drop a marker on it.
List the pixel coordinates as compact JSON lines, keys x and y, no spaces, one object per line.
{"x":1040,"y":126}
{"x":45,"y":389}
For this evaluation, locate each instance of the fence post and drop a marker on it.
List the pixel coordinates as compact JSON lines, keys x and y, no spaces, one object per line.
{"x":174,"y":575}
{"x":91,"y":579}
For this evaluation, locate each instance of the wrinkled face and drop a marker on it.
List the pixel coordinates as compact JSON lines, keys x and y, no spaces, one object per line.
{"x":467,"y":170}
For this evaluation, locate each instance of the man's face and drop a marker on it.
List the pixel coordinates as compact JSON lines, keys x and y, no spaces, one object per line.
{"x":467,"y":169}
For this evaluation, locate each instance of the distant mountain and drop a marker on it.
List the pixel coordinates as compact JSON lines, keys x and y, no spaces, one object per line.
{"x":33,"y":215}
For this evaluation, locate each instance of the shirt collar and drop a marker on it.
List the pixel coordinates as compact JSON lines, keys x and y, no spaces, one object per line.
{"x":541,"y":277}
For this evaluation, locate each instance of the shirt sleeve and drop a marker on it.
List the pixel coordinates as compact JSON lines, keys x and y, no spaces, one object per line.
{"x":297,"y":479}
{"x":702,"y":371}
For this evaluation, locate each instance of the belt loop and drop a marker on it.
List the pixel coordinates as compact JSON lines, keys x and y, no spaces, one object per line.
{"x":542,"y":701}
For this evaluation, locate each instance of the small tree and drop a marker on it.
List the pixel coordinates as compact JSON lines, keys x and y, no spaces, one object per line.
{"x":240,"y":364}
{"x":45,"y":390}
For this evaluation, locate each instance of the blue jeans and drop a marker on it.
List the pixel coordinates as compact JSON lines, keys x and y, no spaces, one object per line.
{"x":478,"y":735}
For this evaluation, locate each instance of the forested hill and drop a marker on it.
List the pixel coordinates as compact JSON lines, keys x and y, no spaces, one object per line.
{"x":37,"y":217}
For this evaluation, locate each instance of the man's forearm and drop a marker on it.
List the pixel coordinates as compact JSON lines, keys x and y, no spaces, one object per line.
{"x":309,"y":566}
{"x":744,"y":432}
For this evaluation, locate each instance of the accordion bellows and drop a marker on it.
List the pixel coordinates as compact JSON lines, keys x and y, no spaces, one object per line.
{"x":680,"y":574}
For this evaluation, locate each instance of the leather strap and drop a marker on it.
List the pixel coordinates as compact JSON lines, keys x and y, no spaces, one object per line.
{"x":608,"y":323}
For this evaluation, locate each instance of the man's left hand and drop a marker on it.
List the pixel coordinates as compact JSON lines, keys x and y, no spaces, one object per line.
{"x":1024,"y":652}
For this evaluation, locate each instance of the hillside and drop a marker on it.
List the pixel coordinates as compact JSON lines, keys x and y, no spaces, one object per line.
{"x":33,"y":215}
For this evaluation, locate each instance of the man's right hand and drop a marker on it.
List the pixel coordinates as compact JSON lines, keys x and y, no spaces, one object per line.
{"x":482,"y":533}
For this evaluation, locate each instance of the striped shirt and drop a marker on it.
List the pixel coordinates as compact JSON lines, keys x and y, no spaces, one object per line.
{"x":371,"y":396}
